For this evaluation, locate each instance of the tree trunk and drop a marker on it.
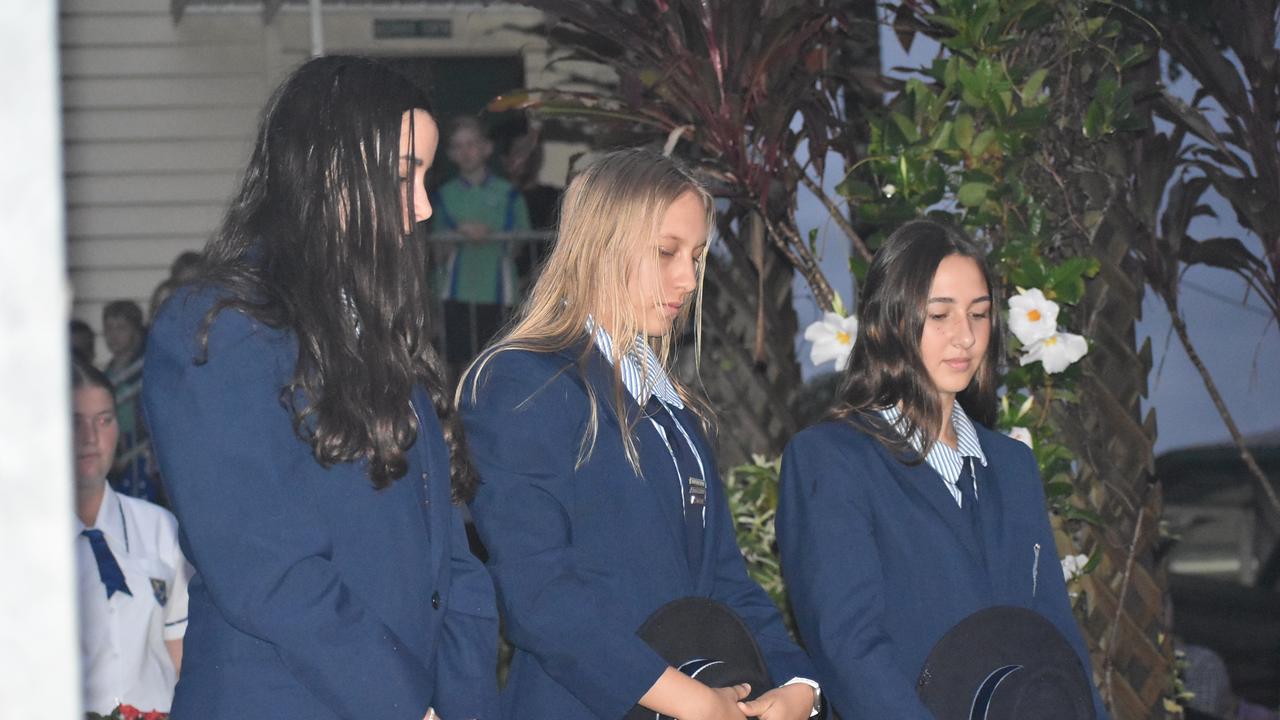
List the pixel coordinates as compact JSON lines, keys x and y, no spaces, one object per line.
{"x":1123,"y":609}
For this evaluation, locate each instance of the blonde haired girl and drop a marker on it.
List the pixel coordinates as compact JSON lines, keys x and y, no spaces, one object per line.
{"x":599,"y":501}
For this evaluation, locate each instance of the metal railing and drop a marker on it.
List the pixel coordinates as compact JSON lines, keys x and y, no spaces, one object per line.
{"x":525,"y":248}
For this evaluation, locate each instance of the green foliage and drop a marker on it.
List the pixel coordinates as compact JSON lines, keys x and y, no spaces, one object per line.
{"x":1232,"y":143}
{"x":729,"y":77}
{"x":753,"y":495}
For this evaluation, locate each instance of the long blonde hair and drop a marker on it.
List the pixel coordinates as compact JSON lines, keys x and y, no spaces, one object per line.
{"x":610,"y":213}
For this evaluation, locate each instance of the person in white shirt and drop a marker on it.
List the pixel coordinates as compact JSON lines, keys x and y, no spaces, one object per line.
{"x":132,"y":574}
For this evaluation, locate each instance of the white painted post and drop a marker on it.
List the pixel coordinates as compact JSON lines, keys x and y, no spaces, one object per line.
{"x":317,"y":30}
{"x":40,"y":662}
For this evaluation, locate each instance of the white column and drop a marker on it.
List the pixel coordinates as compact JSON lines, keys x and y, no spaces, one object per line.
{"x":317,"y":30}
{"x":39,"y":663}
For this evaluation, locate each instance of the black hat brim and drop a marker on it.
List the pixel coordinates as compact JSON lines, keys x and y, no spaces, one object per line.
{"x":1005,"y":663}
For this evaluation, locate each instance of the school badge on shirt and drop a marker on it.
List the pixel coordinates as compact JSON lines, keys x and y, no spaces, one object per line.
{"x":161,"y":590}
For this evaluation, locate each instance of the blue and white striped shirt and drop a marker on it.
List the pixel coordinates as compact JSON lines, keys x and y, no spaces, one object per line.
{"x":944,"y":459}
{"x":644,"y":377}
{"x":640,"y":368}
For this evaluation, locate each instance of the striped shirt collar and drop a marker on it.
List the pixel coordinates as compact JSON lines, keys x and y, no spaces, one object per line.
{"x":944,"y":459}
{"x":639,"y":368}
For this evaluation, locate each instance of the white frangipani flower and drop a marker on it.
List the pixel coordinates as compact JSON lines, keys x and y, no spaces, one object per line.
{"x":1056,"y":352}
{"x":1022,"y":435}
{"x":1032,"y":316}
{"x":1073,"y":565}
{"x":832,"y":339}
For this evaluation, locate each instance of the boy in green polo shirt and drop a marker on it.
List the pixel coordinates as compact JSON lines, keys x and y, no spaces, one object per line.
{"x":478,"y":281}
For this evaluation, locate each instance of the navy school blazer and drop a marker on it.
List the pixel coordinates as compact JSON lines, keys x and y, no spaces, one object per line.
{"x":582,"y":556}
{"x":880,"y":563}
{"x":315,"y":596}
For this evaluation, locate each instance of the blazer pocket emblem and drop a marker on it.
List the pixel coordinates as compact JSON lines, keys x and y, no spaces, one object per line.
{"x":161,"y":590}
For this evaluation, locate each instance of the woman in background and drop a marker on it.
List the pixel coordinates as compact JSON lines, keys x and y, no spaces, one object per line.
{"x":134,"y":473}
{"x":132,"y":575}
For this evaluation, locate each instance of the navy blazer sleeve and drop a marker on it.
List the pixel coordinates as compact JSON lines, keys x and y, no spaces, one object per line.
{"x":260,"y":548}
{"x":735,"y":588}
{"x":524,"y":427}
{"x":1051,"y":598}
{"x":827,"y":541}
{"x":466,"y":672}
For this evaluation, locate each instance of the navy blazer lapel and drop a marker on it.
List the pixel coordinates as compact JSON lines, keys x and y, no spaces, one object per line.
{"x":659,"y":476}
{"x":655,"y":461}
{"x":924,"y":481}
{"x":991,"y":502}
{"x":434,"y":516}
{"x":710,"y":538}
{"x":929,"y":485}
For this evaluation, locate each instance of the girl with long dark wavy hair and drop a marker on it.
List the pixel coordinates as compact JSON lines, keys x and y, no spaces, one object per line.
{"x":300,"y":420}
{"x":902,"y":513}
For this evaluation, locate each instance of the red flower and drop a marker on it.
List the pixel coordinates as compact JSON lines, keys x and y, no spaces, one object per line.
{"x":129,"y":712}
{"x":155,"y":715}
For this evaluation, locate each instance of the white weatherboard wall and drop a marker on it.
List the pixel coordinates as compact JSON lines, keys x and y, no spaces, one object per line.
{"x":40,"y":655}
{"x":160,"y":116}
{"x":158,"y":120}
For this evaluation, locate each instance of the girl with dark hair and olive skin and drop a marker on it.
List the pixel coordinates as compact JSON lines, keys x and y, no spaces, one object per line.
{"x":902,"y":513}
{"x":312,"y":454}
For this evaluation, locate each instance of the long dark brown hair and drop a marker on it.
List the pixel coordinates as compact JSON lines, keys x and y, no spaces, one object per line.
{"x":314,"y":242}
{"x":885,"y":367}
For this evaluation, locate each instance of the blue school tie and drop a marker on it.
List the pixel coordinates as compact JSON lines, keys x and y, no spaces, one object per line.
{"x":693,"y":486}
{"x":969,"y":503}
{"x":108,"y":569}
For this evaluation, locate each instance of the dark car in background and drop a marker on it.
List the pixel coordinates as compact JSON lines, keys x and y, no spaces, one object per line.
{"x":1224,"y":563}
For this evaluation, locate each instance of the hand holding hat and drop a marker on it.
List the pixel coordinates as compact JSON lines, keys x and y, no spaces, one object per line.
{"x":783,"y":703}
{"x":708,"y":642}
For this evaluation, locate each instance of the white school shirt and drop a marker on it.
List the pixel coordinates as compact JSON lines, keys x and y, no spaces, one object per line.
{"x":122,"y":648}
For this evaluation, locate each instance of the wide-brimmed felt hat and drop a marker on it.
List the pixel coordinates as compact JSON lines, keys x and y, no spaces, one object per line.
{"x":1005,"y":663}
{"x":707,"y":641}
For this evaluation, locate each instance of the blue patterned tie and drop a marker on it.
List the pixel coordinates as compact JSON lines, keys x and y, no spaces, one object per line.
{"x":108,"y":569}
{"x":968,"y":493}
{"x":692,"y":485}
{"x":969,"y":504}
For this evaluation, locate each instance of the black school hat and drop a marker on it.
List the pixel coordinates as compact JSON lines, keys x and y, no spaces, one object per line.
{"x":707,"y":641}
{"x":1005,"y":663}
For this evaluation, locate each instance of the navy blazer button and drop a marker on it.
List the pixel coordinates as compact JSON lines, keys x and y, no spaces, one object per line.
{"x":435,"y":600}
